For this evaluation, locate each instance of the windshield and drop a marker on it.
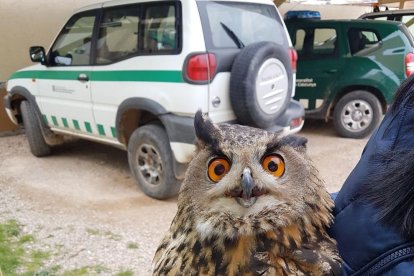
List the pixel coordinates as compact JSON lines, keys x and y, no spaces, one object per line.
{"x":234,"y":25}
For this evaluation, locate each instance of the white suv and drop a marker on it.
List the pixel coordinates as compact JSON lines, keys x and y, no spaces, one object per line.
{"x":134,"y":73}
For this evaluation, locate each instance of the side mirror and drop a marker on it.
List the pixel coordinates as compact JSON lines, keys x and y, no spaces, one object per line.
{"x":38,"y":54}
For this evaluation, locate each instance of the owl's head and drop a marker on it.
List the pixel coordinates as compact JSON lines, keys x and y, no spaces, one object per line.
{"x":244,"y":180}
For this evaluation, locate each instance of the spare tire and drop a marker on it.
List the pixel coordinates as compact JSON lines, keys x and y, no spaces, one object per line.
{"x":260,"y":84}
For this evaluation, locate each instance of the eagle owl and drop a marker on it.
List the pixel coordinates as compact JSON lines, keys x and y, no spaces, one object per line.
{"x":251,"y":203}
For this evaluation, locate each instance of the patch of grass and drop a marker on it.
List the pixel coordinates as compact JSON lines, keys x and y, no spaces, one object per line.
{"x":49,"y":271}
{"x":100,"y":268}
{"x":112,"y":236}
{"x":36,"y":260}
{"x":77,"y":272}
{"x":125,"y":273}
{"x":59,"y":246}
{"x":39,"y":227}
{"x":93,"y":232}
{"x":55,"y":269}
{"x":26,"y":238}
{"x":107,"y":234}
{"x":86,"y":270}
{"x":10,"y":228}
{"x":11,"y":251}
{"x":13,"y":255}
{"x":16,"y":259}
{"x":132,"y":245}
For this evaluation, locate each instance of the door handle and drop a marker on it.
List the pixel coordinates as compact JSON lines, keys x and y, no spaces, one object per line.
{"x":83,"y":77}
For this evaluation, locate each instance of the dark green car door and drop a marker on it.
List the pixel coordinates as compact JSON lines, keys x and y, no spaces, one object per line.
{"x":319,"y":63}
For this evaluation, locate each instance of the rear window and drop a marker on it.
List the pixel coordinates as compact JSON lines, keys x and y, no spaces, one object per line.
{"x":234,"y":25}
{"x":360,"y":39}
{"x":408,"y":20}
{"x":315,"y":43}
{"x":379,"y":18}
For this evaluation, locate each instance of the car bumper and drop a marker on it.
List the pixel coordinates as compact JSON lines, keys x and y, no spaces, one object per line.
{"x":8,"y":109}
{"x":291,"y":121}
{"x":181,"y":131}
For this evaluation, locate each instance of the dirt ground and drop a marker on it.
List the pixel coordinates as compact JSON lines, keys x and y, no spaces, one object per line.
{"x":85,"y":188}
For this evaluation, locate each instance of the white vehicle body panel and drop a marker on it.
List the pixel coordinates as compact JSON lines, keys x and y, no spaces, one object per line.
{"x":88,"y":109}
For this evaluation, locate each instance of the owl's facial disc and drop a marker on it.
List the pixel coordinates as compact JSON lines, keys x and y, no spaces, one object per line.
{"x":246,"y":194}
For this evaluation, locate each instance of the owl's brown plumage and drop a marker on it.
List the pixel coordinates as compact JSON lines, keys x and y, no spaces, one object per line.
{"x":251,"y":204}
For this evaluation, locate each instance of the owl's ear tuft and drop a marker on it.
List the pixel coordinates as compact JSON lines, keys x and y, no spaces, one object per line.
{"x":205,"y":130}
{"x":296,"y":142}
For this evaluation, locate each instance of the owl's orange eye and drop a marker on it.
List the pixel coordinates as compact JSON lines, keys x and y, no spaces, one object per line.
{"x":274,"y":164}
{"x":218,"y":168}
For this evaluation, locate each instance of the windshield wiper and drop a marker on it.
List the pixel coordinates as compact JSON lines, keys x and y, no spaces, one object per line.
{"x":233,"y":36}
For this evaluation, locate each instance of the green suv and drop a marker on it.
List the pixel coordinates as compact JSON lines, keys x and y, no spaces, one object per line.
{"x":350,"y":69}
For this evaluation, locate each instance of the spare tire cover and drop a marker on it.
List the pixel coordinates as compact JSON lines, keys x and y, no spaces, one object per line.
{"x":261,"y":84}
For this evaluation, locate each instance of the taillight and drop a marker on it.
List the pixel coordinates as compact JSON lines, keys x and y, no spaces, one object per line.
{"x":296,"y":122}
{"x":293,"y":55}
{"x":409,"y":64}
{"x":201,"y":67}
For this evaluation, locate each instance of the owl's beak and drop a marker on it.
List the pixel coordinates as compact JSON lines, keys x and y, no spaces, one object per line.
{"x":246,"y":197}
{"x":247,"y":183}
{"x":247,"y":193}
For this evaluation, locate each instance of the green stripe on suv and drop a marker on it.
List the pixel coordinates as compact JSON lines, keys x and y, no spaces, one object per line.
{"x":55,"y":121}
{"x":101,"y":129}
{"x":88,"y":127}
{"x":65,"y":122}
{"x":113,"y":130}
{"x":77,"y":126}
{"x":121,"y":75}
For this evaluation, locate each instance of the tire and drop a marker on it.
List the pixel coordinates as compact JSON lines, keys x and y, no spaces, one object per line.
{"x":260,"y":84}
{"x":37,"y":143}
{"x":151,"y":162}
{"x":357,"y":114}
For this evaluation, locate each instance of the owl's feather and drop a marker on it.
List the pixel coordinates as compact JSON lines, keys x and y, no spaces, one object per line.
{"x":278,"y":227}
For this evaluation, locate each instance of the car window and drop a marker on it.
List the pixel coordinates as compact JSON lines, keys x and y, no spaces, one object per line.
{"x":324,"y":41}
{"x":315,"y":43}
{"x":122,"y":33}
{"x":118,"y":34}
{"x":408,"y":20}
{"x":360,"y":39}
{"x":73,"y":44}
{"x":235,"y":25}
{"x":160,"y":29}
{"x":380,"y":18}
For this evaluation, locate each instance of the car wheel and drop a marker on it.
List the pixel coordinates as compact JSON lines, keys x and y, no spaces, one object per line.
{"x":357,"y":114}
{"x":260,"y":84}
{"x":37,"y":143}
{"x":151,"y":162}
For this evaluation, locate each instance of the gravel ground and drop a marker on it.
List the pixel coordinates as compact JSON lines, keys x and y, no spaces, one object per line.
{"x":83,"y":207}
